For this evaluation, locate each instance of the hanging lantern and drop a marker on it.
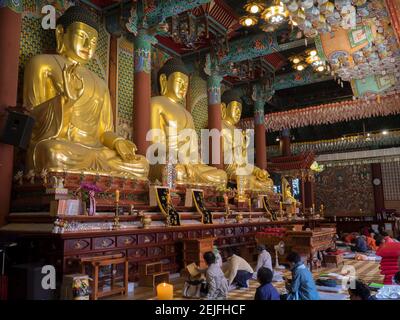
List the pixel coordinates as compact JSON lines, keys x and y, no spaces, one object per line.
{"x":300,"y":66}
{"x":254,"y":7}
{"x":248,"y":21}
{"x":296,"y":59}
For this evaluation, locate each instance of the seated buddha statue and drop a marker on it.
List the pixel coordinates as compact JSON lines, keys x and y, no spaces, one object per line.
{"x":74,"y":129}
{"x":287,"y":196}
{"x":258,"y":179}
{"x":171,"y":120}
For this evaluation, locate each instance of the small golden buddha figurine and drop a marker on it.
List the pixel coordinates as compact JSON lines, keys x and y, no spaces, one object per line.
{"x":287,"y":193}
{"x":258,"y":179}
{"x":169,"y":119}
{"x":74,"y":129}
{"x":290,"y":201}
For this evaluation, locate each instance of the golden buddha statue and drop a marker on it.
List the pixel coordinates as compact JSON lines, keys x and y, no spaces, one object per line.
{"x":287,"y":193}
{"x":258,"y":179}
{"x":169,"y":119}
{"x":74,"y":129}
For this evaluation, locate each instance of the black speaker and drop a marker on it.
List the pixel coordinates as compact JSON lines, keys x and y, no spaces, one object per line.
{"x":25,"y":283}
{"x":17,"y":129}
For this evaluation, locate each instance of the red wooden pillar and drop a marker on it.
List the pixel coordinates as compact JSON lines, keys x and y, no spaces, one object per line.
{"x":284,"y":143}
{"x":142,"y":91}
{"x":215,"y":120}
{"x":260,"y":130}
{"x":261,"y":94}
{"x":309,"y":196}
{"x":303,"y":195}
{"x":10,"y":32}
{"x":379,"y":198}
{"x":112,"y":75}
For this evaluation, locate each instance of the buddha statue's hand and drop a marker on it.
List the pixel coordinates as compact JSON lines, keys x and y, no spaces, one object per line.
{"x":126,"y":150}
{"x":260,"y":174}
{"x":73,"y":83}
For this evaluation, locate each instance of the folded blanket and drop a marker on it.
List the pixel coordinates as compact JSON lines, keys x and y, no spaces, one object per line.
{"x":335,"y":289}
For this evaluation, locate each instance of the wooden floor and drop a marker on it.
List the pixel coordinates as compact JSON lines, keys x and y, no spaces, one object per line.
{"x":366,"y":271}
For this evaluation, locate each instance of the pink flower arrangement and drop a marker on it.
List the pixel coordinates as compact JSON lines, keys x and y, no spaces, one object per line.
{"x":90,"y":187}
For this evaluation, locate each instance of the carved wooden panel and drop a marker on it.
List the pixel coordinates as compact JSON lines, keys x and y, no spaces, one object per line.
{"x":219,"y":232}
{"x":233,"y":240}
{"x":103,"y":243}
{"x":76,"y":245}
{"x":179,"y":235}
{"x":146,"y":238}
{"x":229,"y":231}
{"x":208,"y":233}
{"x":137,"y":253}
{"x":194,"y":233}
{"x":155,"y":251}
{"x":170,"y":249}
{"x":126,"y":241}
{"x":164,"y":237}
{"x":238,"y":230}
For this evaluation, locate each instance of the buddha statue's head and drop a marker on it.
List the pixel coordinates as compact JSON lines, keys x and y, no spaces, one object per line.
{"x":174,"y":80}
{"x":77,"y":34}
{"x":231,"y":107}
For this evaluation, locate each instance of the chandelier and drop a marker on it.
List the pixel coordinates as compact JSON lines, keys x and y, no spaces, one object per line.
{"x":308,"y":58}
{"x":275,"y":14}
{"x":271,"y":17}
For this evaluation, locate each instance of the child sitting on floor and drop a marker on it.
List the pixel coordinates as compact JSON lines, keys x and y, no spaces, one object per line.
{"x":266,"y":291}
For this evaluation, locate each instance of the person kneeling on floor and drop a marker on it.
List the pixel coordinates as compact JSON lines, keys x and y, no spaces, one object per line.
{"x":302,"y":285}
{"x":216,"y":283}
{"x":238,"y":271}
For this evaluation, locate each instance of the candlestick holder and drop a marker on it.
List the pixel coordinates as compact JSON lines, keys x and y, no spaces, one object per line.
{"x":321,"y":211}
{"x":116,"y":223}
{"x":250,"y":209}
{"x":168,"y":221}
{"x":226,"y":214}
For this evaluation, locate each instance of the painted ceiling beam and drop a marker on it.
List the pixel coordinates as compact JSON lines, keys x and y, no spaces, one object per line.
{"x":290,"y":80}
{"x":247,"y":48}
{"x":166,"y":9}
{"x":297,"y":79}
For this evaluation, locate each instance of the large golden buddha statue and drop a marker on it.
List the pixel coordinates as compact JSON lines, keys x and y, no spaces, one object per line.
{"x":258,"y":179}
{"x":170,"y":118}
{"x":74,"y":129}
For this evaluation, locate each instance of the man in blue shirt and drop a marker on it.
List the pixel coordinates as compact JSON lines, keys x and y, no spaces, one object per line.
{"x":302,"y":286}
{"x":266,"y":291}
{"x":360,"y":244}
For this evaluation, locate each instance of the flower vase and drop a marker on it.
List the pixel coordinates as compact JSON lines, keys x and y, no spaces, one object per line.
{"x":92,"y":203}
{"x":84,"y":208}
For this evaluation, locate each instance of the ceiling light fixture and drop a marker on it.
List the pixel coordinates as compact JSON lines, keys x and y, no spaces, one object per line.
{"x":254,"y":7}
{"x":275,"y":14}
{"x":248,"y":21}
